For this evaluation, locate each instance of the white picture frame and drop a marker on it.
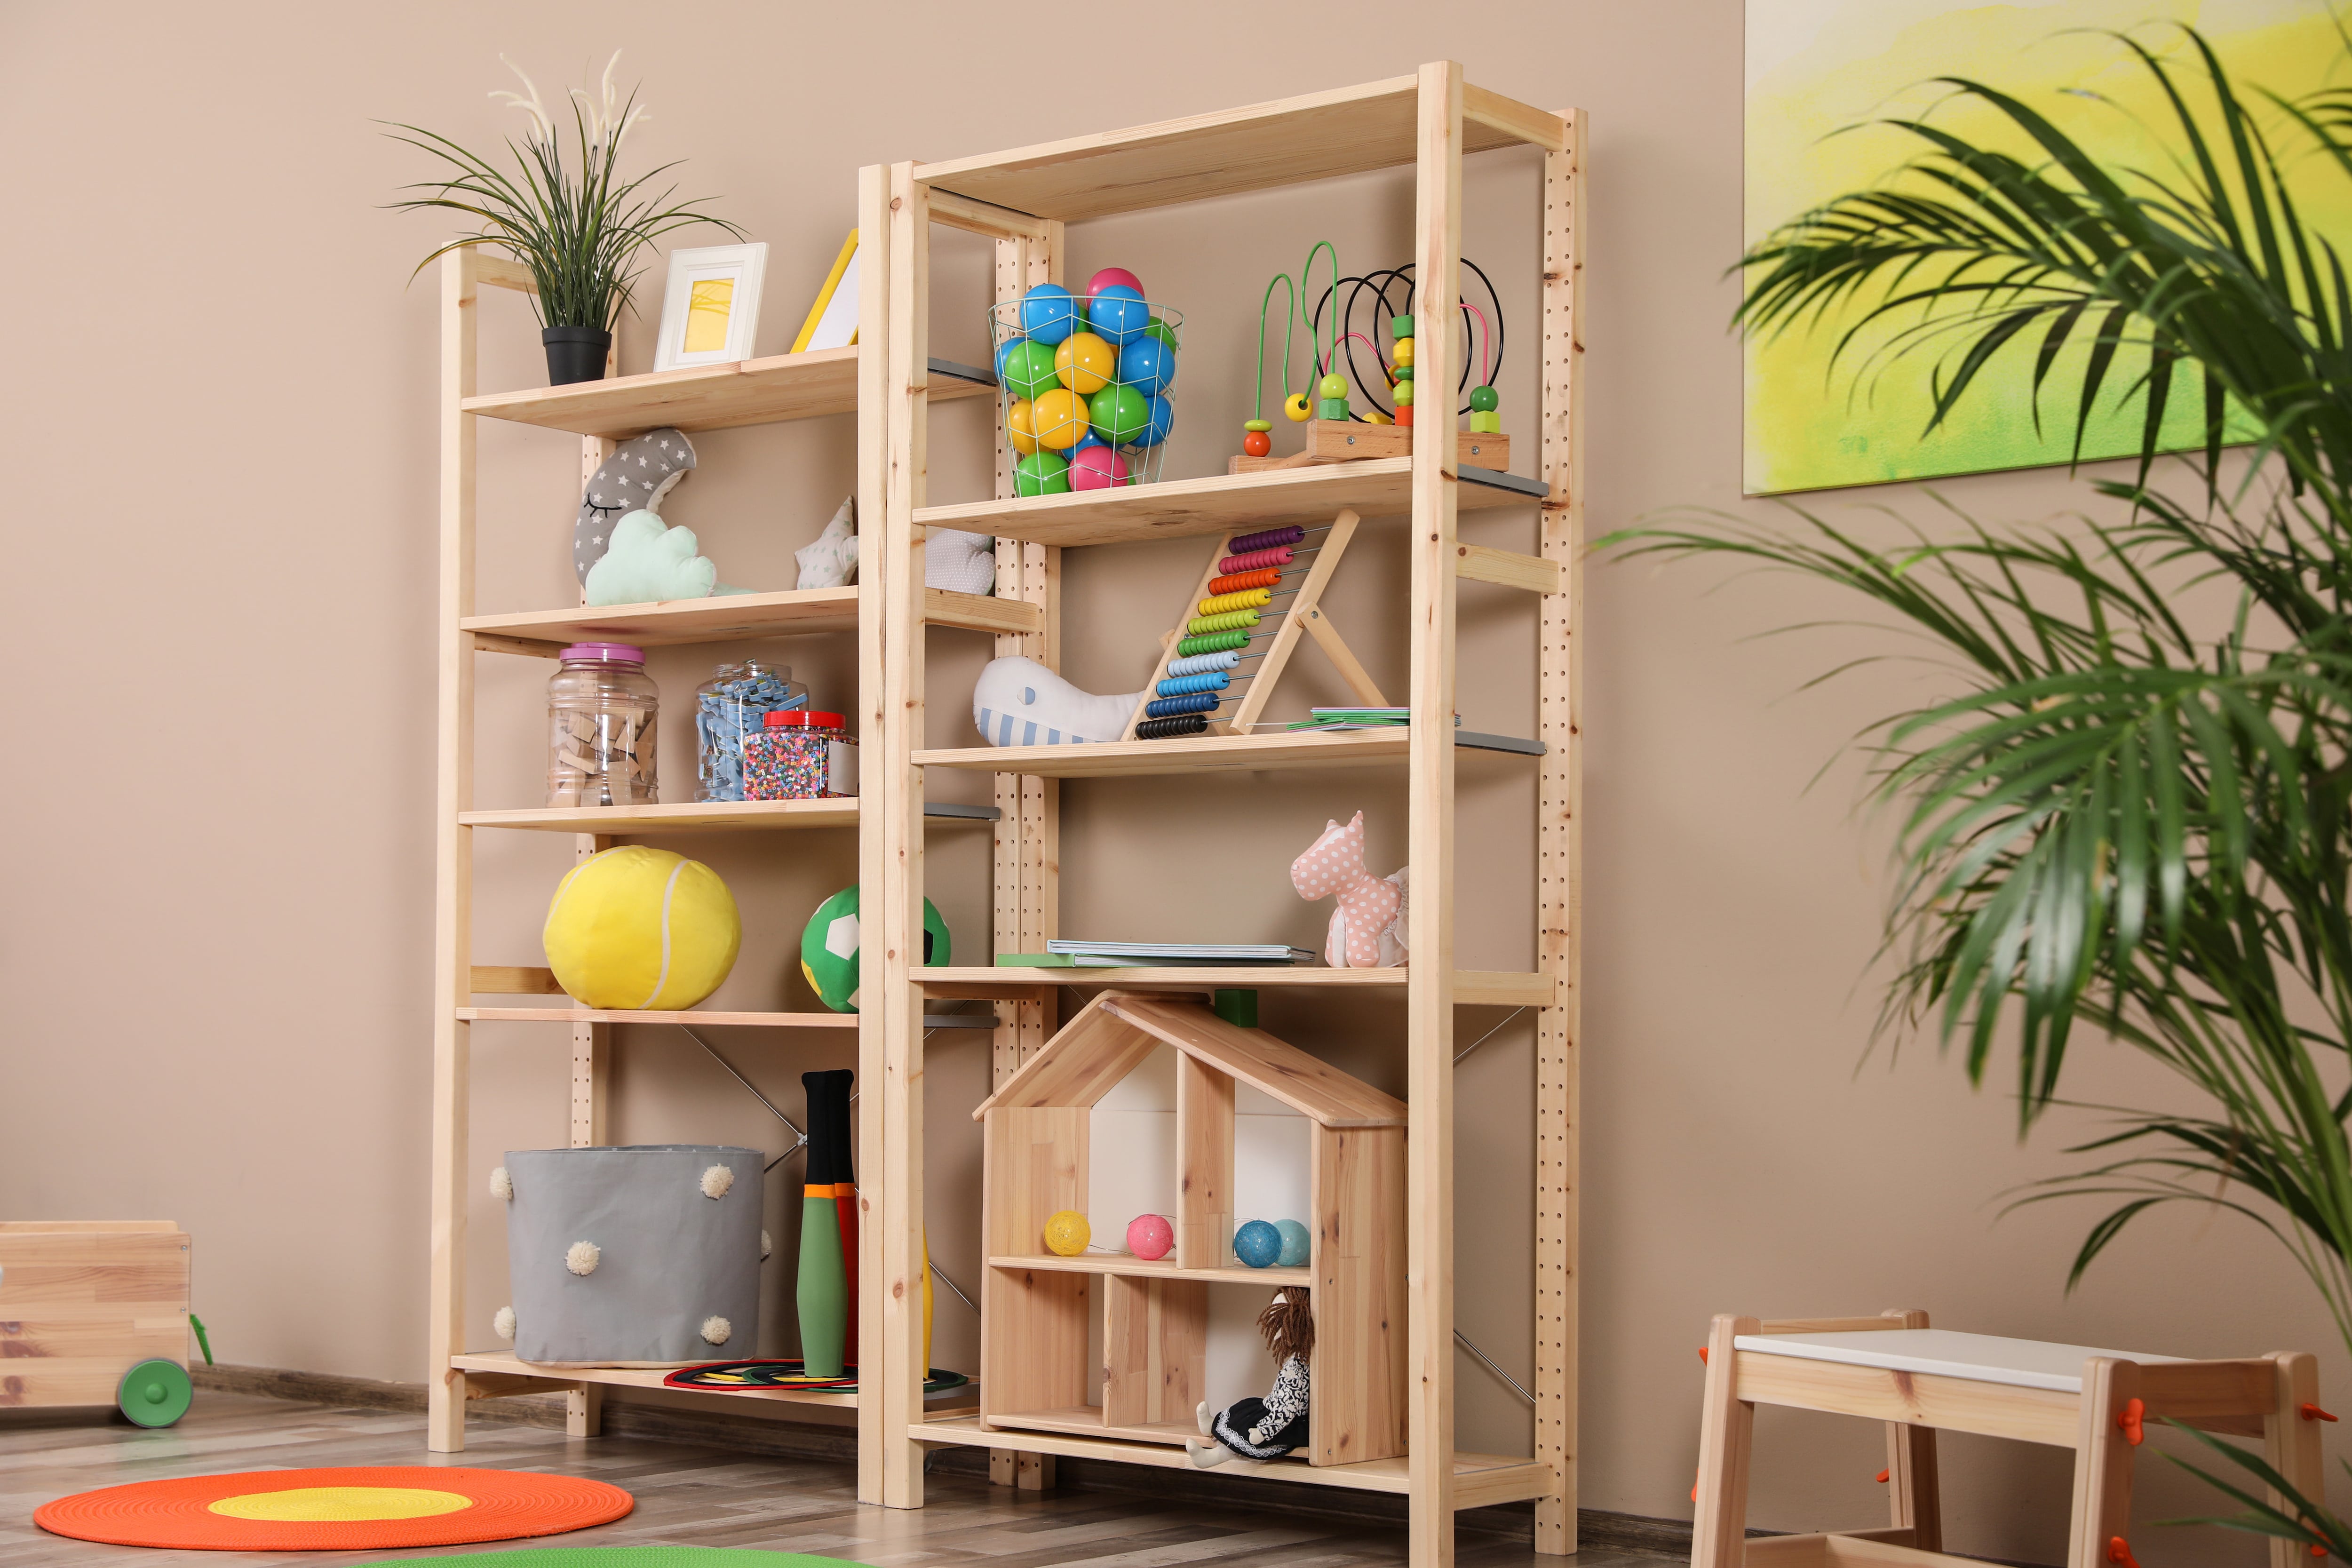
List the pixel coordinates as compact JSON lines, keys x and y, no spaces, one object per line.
{"x":733,"y":272}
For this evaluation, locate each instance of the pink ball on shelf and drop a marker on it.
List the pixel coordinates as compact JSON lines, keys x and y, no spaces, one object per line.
{"x":1149,"y":1235}
{"x":1113,"y":275}
{"x":1097,"y":468}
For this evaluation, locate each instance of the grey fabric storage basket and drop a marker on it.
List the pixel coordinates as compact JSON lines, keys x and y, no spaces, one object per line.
{"x":669,"y":1258}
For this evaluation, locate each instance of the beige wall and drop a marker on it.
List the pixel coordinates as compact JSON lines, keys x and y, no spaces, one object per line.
{"x":220,"y":434}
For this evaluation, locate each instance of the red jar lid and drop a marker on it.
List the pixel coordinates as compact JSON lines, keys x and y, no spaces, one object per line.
{"x":800,"y":719}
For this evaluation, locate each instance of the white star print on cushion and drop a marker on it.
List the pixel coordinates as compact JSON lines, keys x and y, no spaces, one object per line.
{"x":614,"y":488}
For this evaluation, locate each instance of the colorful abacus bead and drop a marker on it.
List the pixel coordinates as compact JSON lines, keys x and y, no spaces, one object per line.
{"x":1333,"y":403}
{"x":1258,"y":443}
{"x":1483,"y":419}
{"x":1296,"y":408}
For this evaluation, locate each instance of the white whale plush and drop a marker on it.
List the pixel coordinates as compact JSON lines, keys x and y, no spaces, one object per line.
{"x":1019,"y":702}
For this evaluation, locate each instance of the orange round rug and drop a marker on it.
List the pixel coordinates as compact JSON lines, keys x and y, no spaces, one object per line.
{"x":335,"y":1511}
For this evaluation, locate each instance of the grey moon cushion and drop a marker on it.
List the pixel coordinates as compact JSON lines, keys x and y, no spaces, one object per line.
{"x":634,"y":479}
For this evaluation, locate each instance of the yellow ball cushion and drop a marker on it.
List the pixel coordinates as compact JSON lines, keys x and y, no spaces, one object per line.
{"x":637,"y":926}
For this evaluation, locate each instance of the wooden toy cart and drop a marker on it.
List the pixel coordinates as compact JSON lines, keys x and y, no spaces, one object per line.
{"x":95,"y":1313}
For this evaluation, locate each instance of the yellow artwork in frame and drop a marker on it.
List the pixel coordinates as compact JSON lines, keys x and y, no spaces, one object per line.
{"x":1818,"y":67}
{"x":710,"y":306}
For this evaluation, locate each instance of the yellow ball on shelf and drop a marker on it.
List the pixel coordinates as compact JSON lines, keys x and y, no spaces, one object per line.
{"x":1058,"y":419}
{"x":1068,"y":1233}
{"x":1085,"y":363}
{"x":1016,"y":427}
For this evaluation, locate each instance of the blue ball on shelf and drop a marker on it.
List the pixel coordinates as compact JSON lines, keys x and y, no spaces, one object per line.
{"x":1049,"y":313}
{"x":1119,"y":315}
{"x":1159,"y":419}
{"x":1086,"y":440}
{"x":1258,"y":1244}
{"x":1148,"y":365}
{"x":1003,"y":349}
{"x":1296,"y":1243}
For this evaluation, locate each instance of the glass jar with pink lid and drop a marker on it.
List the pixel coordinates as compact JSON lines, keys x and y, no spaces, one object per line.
{"x":601,"y":708}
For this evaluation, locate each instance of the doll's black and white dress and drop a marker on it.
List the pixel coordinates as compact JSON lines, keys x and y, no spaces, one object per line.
{"x":1270,"y":1427}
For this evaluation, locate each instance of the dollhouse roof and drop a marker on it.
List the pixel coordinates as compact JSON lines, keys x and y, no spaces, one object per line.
{"x":1114,"y":1032}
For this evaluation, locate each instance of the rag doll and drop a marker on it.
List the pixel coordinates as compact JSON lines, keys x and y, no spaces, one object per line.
{"x":1270,"y":1427}
{"x":1369,"y":924}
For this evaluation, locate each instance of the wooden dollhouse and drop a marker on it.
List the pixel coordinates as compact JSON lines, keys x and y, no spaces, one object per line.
{"x":1034,"y":1352}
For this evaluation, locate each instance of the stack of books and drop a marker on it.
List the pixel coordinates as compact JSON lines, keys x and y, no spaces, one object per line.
{"x":1061,"y":955}
{"x":1356,"y":719}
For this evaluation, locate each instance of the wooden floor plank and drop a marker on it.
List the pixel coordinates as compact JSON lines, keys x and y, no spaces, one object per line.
{"x":687,"y":1495}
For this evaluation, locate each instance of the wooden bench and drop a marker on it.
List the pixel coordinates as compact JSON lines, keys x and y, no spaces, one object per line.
{"x":1895,"y":1368}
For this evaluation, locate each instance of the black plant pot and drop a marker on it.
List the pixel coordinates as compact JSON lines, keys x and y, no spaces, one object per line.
{"x":575,"y":353}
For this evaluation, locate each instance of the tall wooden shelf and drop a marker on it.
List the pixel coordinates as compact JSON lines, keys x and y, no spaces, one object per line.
{"x":756,"y":392}
{"x":1020,"y":200}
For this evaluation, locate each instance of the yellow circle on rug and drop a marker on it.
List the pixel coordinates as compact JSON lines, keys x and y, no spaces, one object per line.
{"x":311,"y":1504}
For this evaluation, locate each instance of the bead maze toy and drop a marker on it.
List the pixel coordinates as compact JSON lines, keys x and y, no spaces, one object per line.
{"x":1233,"y":606}
{"x":95,"y":1313}
{"x":1336,"y":432}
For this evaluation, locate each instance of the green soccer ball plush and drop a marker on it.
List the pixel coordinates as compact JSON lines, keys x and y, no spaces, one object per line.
{"x":829,"y":948}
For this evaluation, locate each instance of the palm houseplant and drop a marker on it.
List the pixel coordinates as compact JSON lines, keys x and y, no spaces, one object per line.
{"x":565,"y":212}
{"x":2129,"y":810}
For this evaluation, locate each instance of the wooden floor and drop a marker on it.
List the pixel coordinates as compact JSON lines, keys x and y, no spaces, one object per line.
{"x":685,"y":1497}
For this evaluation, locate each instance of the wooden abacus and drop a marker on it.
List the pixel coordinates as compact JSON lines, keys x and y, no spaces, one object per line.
{"x":1235,"y":605}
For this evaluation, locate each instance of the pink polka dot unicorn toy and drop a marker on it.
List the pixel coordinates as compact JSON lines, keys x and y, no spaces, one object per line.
{"x":1369,"y":925}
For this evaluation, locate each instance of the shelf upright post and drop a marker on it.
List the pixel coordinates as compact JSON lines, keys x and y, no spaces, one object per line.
{"x":1560,"y":835}
{"x":1027,"y":853}
{"x":1429,"y":993}
{"x":453,"y":891}
{"x":895,"y":899}
{"x":874,"y":656}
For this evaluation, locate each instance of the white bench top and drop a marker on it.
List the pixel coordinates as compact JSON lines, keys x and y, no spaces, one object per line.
{"x":1979,"y":1358}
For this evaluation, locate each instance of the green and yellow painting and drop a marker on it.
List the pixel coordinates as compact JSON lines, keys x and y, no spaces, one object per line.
{"x":1818,"y":67}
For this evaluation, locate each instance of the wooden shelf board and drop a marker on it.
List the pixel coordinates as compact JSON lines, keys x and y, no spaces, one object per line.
{"x":1478,"y":1478}
{"x":1087,"y":1421}
{"x":1286,"y":749}
{"x":632,"y":821}
{"x":706,"y":397}
{"x":739,"y":616}
{"x":505,"y":1362}
{"x":630,"y":1015}
{"x":1315,"y":136}
{"x":1131,"y":1267}
{"x":1472,"y":987}
{"x":1219,"y":503}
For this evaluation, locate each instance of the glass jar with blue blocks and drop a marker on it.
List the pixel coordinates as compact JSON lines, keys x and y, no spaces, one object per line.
{"x":728,"y":709}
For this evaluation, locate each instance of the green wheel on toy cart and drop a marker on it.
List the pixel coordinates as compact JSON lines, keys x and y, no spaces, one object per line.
{"x":154,"y":1392}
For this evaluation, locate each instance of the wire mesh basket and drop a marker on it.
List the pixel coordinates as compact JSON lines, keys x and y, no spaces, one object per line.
{"x":1083,"y":387}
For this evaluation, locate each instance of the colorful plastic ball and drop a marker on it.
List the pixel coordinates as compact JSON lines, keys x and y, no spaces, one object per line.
{"x":1334,"y":386}
{"x":1297,"y":410}
{"x":1258,"y":443}
{"x":1058,"y":418}
{"x":1049,"y":313}
{"x":1097,"y":468}
{"x":1149,"y":1235}
{"x":1159,"y":332}
{"x":1086,"y":441}
{"x":1110,"y":276}
{"x":1003,"y":349}
{"x":1295,"y":1242}
{"x":1483,"y":399}
{"x":1258,"y":1244}
{"x":1042,"y":474}
{"x":1118,"y":314}
{"x":1028,"y":369}
{"x":1016,"y":427}
{"x":1085,"y":363}
{"x":1160,"y":419}
{"x":1120,"y":415}
{"x":1147,"y":364}
{"x":1404,"y":393}
{"x":1068,"y":1233}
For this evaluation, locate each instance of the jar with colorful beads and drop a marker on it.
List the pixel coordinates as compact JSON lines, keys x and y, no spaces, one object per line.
{"x":727,"y":711}
{"x":799,"y":754}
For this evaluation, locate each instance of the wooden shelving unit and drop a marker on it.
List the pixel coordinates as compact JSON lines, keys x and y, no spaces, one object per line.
{"x":1022,"y":199}
{"x":763,"y":390}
